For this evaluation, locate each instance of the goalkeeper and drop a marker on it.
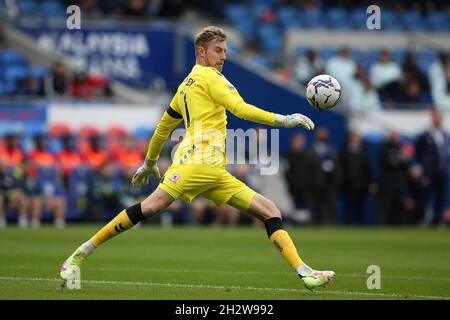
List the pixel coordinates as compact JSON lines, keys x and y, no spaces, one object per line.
{"x":199,"y":164}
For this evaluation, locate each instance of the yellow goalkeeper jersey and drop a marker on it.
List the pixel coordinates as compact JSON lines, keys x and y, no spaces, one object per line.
{"x":201,"y":102}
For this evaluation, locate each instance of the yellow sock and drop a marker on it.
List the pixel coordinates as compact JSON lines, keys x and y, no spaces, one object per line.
{"x":117,"y":225}
{"x":282,"y":241}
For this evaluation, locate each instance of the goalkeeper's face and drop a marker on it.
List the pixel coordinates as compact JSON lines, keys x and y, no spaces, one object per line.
{"x":215,"y":54}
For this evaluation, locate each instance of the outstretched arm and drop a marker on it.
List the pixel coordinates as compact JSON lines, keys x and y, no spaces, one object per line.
{"x":168,"y":122}
{"x":224,"y":94}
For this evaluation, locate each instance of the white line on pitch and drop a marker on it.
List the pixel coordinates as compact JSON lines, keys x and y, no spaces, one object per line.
{"x":227,"y":287}
{"x":346,"y":275}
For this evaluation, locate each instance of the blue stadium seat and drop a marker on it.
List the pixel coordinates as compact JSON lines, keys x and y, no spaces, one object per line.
{"x":397,"y":55}
{"x":242,"y":19}
{"x":313,"y":20}
{"x":236,"y":13}
{"x":79,"y":186}
{"x":271,"y":38}
{"x":412,"y":20}
{"x":337,"y":18}
{"x":328,"y":52}
{"x":357,"y":55}
{"x":258,"y":8}
{"x":301,"y":51}
{"x":425,"y":58}
{"x":32,"y":129}
{"x":13,"y":76}
{"x":11,"y":57}
{"x":48,"y":183}
{"x":359,"y":18}
{"x":247,"y":28}
{"x":55,"y":146}
{"x":38,"y":72}
{"x":264,"y":2}
{"x":27,"y":7}
{"x":369,"y":57}
{"x":143,"y":133}
{"x":372,"y":55}
{"x":390,"y":21}
{"x":262,"y":61}
{"x":52,"y":9}
{"x":289,"y":18}
{"x":438,"y":21}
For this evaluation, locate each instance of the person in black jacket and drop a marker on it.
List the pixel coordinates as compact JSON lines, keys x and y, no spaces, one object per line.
{"x":356,"y":178}
{"x":393,"y":188}
{"x":296,"y":170}
{"x":323,"y":179}
{"x":432,"y":154}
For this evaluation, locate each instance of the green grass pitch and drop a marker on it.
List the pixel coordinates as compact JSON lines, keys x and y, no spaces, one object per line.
{"x":226,"y":263}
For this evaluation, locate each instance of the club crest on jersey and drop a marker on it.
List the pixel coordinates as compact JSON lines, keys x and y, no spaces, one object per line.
{"x":174,"y":178}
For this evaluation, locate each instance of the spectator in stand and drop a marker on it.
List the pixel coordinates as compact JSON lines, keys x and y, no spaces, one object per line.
{"x":439,"y":70}
{"x":13,"y":182}
{"x":30,"y":87}
{"x":67,"y":159}
{"x":342,"y":67}
{"x":323,"y":179}
{"x":364,"y":100}
{"x":393,"y":190}
{"x":129,"y":156}
{"x":296,"y":169}
{"x":106,"y":191}
{"x":414,"y":88}
{"x":385,"y":76}
{"x":56,"y":81}
{"x":432,"y":154}
{"x":417,"y":189}
{"x":10,"y":151}
{"x":411,"y":95}
{"x":94,"y":157}
{"x":439,"y":78}
{"x":411,"y":72}
{"x":357,"y":178}
{"x":308,"y":66}
{"x":45,"y":185}
{"x":83,"y":86}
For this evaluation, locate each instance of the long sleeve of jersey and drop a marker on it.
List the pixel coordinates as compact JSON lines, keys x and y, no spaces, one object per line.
{"x":224,"y":94}
{"x":168,"y":122}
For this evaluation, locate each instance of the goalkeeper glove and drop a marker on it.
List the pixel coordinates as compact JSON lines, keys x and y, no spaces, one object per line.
{"x":142,"y":174}
{"x":294,"y":120}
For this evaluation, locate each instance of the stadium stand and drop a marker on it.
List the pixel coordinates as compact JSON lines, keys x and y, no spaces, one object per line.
{"x":94,"y":164}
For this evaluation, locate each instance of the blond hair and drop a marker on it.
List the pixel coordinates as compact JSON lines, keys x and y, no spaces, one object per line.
{"x":207,"y":35}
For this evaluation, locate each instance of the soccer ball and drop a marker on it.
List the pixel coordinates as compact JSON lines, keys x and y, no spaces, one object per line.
{"x":323,"y":92}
